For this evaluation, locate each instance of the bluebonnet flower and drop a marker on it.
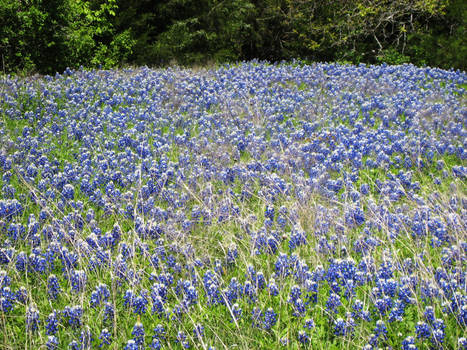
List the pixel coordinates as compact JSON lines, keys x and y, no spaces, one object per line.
{"x":218,"y":268}
{"x":250,"y":291}
{"x":260,"y":280}
{"x":349,"y":289}
{"x":437,"y":337}
{"x":397,"y":312}
{"x":284,"y":341}
{"x":270,"y":319}
{"x":333,"y":302}
{"x":405,"y":294}
{"x":383,"y":304}
{"x":37,"y":263}
{"x":386,"y":270}
{"x":68,"y":192}
{"x":105,"y":337}
{"x":380,"y":329}
{"x":429,"y":314}
{"x":409,"y":343}
{"x":303,"y":337}
{"x":191,"y":295}
{"x":159,"y":332}
{"x":389,"y":286}
{"x":423,"y":330}
{"x":198,"y":331}
{"x":181,"y":338}
{"x":295,"y":293}
{"x":272,"y":288}
{"x":214,"y":294}
{"x":21,"y":295}
{"x":131,"y":345}
{"x":232,"y":254}
{"x":7,"y":299}
{"x":282,"y":265}
{"x":462,"y":316}
{"x":73,"y":314}
{"x":272,"y":243}
{"x":138,"y":334}
{"x":344,"y":327}
{"x":256,"y":316}
{"x":109,"y":312}
{"x":159,"y":289}
{"x":236,"y":312}
{"x":157,"y":305}
{"x":299,"y":308}
{"x":78,"y":280}
{"x":372,"y":341}
{"x":155,"y":344}
{"x":51,"y":325}
{"x":312,"y":291}
{"x":5,"y":280}
{"x":128,"y":298}
{"x":74,"y":345}
{"x":21,"y":261}
{"x":269,"y":213}
{"x":462,"y":343}
{"x":354,"y":195}
{"x":233,"y":292}
{"x":251,"y":273}
{"x":438,"y":324}
{"x":140,"y":304}
{"x":32,"y":318}
{"x":52,"y":342}
{"x":281,"y":220}
{"x":99,"y":295}
{"x":355,"y":216}
{"x":297,"y":238}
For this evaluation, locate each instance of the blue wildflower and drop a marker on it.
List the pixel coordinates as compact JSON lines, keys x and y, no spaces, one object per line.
{"x":138,"y":334}
{"x":32,"y":319}
{"x":105,"y":337}
{"x":270,"y":319}
{"x":52,"y":342}
{"x":303,"y":337}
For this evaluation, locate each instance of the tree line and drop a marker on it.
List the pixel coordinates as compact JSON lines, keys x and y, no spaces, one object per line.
{"x":46,"y":36}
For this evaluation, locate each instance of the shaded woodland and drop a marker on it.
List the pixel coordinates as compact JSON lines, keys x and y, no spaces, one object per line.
{"x":48,"y":36}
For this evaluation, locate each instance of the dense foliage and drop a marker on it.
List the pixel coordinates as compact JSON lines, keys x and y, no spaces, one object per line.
{"x":48,"y":36}
{"x":252,"y":206}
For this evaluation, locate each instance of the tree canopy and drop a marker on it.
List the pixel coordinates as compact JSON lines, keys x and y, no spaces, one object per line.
{"x":48,"y":36}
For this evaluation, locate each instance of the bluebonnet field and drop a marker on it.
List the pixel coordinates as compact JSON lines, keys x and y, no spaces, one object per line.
{"x":244,"y":206}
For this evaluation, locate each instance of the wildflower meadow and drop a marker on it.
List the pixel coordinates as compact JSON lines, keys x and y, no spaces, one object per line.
{"x":242,"y":206}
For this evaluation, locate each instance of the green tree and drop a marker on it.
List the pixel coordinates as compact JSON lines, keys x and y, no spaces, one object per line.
{"x":48,"y":36}
{"x":93,"y":40}
{"x":33,"y":34}
{"x":357,"y":30}
{"x":442,"y":42}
